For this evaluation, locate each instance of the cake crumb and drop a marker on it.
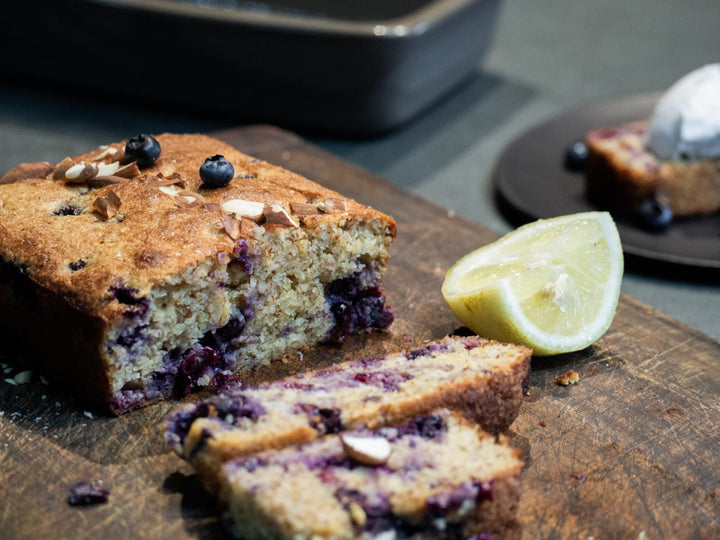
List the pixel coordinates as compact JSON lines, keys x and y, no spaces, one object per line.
{"x":569,"y":377}
{"x":86,"y":493}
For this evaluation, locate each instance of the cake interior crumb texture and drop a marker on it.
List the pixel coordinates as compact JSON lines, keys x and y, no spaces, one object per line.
{"x":169,"y":292}
{"x":443,"y":478}
{"x":485,"y":380}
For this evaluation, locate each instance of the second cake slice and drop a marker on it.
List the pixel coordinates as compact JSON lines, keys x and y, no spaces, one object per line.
{"x":482,"y":378}
{"x":435,"y":476}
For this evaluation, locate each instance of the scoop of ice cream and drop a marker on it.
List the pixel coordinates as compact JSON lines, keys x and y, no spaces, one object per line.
{"x":686,"y":120}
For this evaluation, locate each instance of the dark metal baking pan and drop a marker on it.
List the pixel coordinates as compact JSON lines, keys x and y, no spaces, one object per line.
{"x":352,"y":66}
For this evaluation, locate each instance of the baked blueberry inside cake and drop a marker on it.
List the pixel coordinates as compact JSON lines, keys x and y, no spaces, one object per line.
{"x":150,"y":281}
{"x":482,"y":378}
{"x":439,"y":476}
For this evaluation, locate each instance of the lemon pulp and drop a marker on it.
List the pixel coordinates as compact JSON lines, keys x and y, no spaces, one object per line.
{"x":552,"y":285}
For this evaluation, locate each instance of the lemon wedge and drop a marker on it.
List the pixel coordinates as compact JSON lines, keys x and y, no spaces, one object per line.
{"x":552,"y":285}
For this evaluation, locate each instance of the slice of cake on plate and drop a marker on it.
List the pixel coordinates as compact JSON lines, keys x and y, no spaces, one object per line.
{"x":667,"y":165}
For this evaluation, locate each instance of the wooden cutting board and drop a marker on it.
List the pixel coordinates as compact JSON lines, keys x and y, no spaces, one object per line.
{"x":632,"y":449}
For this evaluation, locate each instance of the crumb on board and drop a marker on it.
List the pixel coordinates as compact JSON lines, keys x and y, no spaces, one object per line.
{"x":569,"y":377}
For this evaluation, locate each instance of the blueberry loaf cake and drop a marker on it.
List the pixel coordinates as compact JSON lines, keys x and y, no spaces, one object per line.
{"x":622,"y":174}
{"x":436,"y":476}
{"x":482,"y":378}
{"x":155,"y":266}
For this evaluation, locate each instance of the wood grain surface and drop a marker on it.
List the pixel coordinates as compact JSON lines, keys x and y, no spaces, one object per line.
{"x":630,"y":451}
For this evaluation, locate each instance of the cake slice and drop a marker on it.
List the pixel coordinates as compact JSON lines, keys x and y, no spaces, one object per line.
{"x":622,"y":173}
{"x":482,"y":378}
{"x":126,"y":276}
{"x":435,"y":476}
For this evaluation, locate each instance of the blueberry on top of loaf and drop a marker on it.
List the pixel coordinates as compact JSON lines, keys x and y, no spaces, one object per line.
{"x":155,"y":284}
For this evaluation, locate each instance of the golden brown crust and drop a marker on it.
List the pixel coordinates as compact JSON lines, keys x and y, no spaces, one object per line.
{"x":153,"y":234}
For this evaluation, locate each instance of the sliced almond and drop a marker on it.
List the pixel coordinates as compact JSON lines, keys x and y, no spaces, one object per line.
{"x":243,"y":208}
{"x":193,"y":195}
{"x":301,"y":209}
{"x":127,"y":171}
{"x":108,"y":205}
{"x":174,"y":178}
{"x":171,"y":190}
{"x":333,"y":205}
{"x":27,"y":170}
{"x":105,"y":151}
{"x":60,"y":168}
{"x":366,"y":450}
{"x":102,"y":181}
{"x":81,"y":172}
{"x":277,"y":215}
{"x":230,"y":224}
{"x":106,"y":169}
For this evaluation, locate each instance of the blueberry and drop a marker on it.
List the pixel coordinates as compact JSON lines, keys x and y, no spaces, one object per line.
{"x":575,"y":156}
{"x":655,"y":212}
{"x":143,"y":149}
{"x":216,"y":172}
{"x":86,"y":493}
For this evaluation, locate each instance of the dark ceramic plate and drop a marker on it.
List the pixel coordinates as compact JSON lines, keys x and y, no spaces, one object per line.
{"x":349,"y":66}
{"x":533,"y":183}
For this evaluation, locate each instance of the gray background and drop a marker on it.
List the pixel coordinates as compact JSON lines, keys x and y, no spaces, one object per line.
{"x":545,"y":57}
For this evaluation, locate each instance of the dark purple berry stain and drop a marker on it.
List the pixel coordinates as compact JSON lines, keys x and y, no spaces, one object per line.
{"x":229,"y":405}
{"x":77,"y":265}
{"x":67,"y":209}
{"x":143,"y":149}
{"x":327,"y":420}
{"x":441,"y":504}
{"x":210,"y":359}
{"x":426,"y":351}
{"x":376,"y":506}
{"x":389,"y":380}
{"x":431,"y":427}
{"x":355,"y":308}
{"x":201,"y":361}
{"x":128,"y":296}
{"x":132,"y":336}
{"x":216,"y":172}
{"x":242,"y":258}
{"x":86,"y":493}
